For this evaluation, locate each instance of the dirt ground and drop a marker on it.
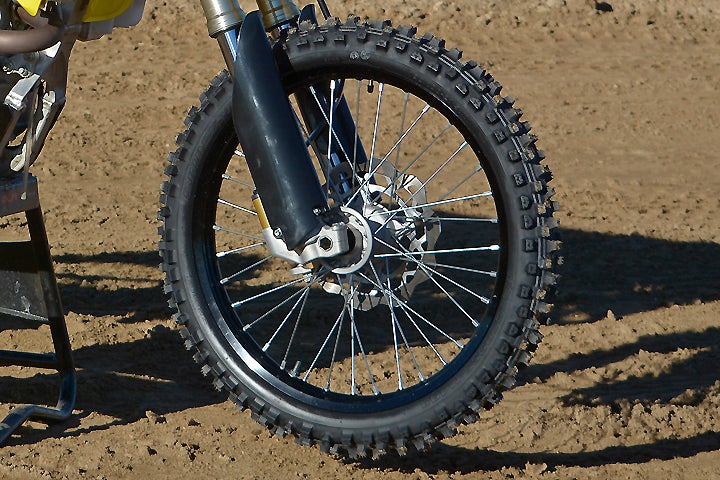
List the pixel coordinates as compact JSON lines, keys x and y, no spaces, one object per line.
{"x":626,"y":383}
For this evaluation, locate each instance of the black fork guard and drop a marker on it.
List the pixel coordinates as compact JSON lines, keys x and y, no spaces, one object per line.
{"x":274,"y":148}
{"x":267,"y":130}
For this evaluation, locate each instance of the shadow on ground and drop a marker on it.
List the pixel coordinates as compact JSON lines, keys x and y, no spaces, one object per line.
{"x":446,"y":458}
{"x":627,"y":274}
{"x":134,"y":298}
{"x":630,"y":274}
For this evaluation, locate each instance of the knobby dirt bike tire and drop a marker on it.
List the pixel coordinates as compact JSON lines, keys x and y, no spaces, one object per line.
{"x":525,"y":281}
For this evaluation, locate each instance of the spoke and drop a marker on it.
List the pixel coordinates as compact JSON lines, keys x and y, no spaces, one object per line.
{"x":391,"y":299}
{"x":376,"y":391}
{"x":274,"y":309}
{"x":292,"y":336}
{"x":218,"y":228}
{"x":419,"y":155}
{"x":240,"y":249}
{"x":330,"y":136}
{"x":463,"y":269}
{"x":397,"y":145}
{"x":285,"y":320}
{"x":402,"y":127}
{"x":404,"y":305}
{"x":381,"y":88}
{"x":427,"y":340}
{"x":432,"y":204}
{"x":419,"y":189}
{"x":460,"y":219}
{"x":429,"y":275}
{"x":353,"y":386}
{"x":389,"y":296}
{"x":324,"y":344}
{"x":272,"y":290}
{"x":395,"y":321}
{"x":239,"y":153}
{"x":327,"y":121}
{"x":435,"y":272}
{"x":334,"y":134}
{"x":238,"y":181}
{"x":232,"y":277}
{"x":397,"y":153}
{"x":236,"y":207}
{"x":468,"y":177}
{"x":450,"y":297}
{"x":395,"y":342}
{"x":373,"y":171}
{"x":426,"y":148}
{"x":491,"y":248}
{"x":357,"y":127}
{"x":337,"y":338}
{"x":439,"y":169}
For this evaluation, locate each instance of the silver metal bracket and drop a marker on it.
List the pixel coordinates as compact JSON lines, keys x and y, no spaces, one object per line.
{"x":331,"y":241}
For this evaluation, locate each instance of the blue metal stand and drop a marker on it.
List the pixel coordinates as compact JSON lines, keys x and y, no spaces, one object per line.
{"x":27,"y":282}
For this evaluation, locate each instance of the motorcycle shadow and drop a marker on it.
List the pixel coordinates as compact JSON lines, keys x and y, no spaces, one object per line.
{"x":446,"y":458}
{"x":625,"y":273}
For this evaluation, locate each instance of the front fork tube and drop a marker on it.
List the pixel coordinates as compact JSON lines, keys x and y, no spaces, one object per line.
{"x":346,"y":149}
{"x":273,"y":145}
{"x":275,"y":150}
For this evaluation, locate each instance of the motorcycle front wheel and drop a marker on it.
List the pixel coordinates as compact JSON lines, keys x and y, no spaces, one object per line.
{"x":425,"y":321}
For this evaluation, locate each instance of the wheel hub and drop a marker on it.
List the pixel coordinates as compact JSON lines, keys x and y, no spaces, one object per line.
{"x":390,"y":230}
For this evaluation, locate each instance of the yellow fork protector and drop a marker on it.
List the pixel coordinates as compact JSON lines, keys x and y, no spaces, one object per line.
{"x":32,"y":6}
{"x":99,"y":10}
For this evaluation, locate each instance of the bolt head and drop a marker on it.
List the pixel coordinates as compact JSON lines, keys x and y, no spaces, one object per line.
{"x":325,"y":243}
{"x":277,"y":233}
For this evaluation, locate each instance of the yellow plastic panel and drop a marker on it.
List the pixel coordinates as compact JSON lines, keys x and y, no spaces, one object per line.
{"x":32,"y":6}
{"x":99,"y":10}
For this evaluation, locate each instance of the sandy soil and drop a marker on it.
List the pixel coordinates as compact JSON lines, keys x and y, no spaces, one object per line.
{"x":627,"y":381}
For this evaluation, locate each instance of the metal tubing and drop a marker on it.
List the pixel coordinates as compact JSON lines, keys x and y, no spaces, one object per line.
{"x":62,"y":411}
{"x":28,"y":359}
{"x":222,"y":15}
{"x":276,"y":154}
{"x":228,"y":46}
{"x":43,"y":36}
{"x":276,"y":13}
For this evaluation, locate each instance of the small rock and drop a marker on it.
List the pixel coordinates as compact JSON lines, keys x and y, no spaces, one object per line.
{"x":193,"y":423}
{"x":611,"y":315}
{"x":603,"y":6}
{"x":154,"y":417}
